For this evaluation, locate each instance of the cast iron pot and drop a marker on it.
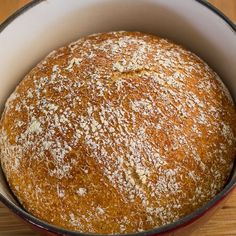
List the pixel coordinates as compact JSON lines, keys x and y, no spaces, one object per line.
{"x":43,"y":25}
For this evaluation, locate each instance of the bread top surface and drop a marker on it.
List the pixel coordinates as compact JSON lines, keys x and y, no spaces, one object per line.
{"x":118,"y":132}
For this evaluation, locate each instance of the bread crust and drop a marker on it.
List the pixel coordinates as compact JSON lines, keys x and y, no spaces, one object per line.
{"x":118,"y":132}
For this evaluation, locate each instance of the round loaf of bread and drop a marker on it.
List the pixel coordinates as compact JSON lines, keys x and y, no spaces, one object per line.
{"x":118,"y":132}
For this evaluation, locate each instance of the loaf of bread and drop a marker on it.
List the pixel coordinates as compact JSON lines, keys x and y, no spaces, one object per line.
{"x":116,"y":133}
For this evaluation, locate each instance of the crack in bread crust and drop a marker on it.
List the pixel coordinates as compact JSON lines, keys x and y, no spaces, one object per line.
{"x":118,"y":132}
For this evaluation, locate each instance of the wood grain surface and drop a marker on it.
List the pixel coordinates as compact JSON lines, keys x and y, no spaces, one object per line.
{"x":223,"y":223}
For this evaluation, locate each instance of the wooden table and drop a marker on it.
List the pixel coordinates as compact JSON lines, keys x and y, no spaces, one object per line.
{"x":223,"y":223}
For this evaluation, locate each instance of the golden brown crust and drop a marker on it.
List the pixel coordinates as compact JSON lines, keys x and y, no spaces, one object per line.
{"x":118,"y":132}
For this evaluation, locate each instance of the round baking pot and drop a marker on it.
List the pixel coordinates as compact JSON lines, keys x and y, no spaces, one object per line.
{"x":43,"y":25}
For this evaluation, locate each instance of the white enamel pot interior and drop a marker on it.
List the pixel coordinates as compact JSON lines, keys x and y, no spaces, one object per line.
{"x":43,"y":25}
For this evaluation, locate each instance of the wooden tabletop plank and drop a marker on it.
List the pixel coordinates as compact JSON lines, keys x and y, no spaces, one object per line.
{"x":228,"y":7}
{"x":7,"y":7}
{"x":223,"y":223}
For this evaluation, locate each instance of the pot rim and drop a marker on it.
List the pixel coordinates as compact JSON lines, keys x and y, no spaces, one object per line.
{"x":162,"y":229}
